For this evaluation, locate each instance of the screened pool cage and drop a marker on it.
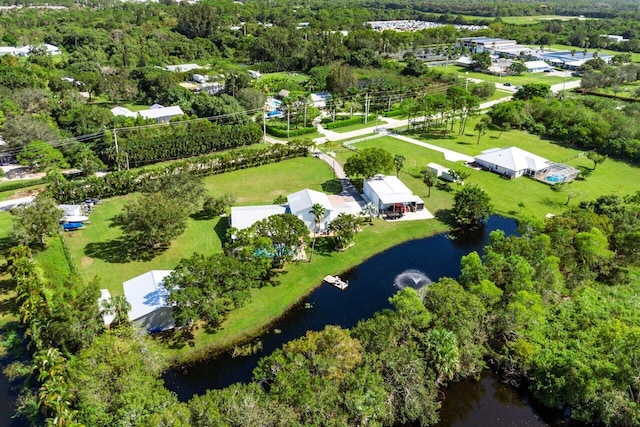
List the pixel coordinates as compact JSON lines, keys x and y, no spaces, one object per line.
{"x":556,"y":173}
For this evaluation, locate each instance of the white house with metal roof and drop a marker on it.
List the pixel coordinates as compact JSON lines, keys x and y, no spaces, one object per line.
{"x":147,"y":296}
{"x":156,"y":112}
{"x":243,"y":217}
{"x":300,"y":205}
{"x":512,"y":162}
{"x":388,"y":193}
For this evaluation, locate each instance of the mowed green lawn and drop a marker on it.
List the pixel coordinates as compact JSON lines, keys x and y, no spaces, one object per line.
{"x":526,"y":78}
{"x":98,"y":249}
{"x":511,"y":197}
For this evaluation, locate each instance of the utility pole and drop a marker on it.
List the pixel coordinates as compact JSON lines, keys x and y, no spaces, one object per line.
{"x":115,"y":139}
{"x":366,"y":107}
{"x":264,"y":126}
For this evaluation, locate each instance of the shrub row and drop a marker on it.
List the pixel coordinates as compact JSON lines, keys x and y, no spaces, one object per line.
{"x":280,"y":132}
{"x":125,"y":182}
{"x":393,"y":113}
{"x":327,"y":123}
{"x":16,"y":185}
{"x":154,"y":144}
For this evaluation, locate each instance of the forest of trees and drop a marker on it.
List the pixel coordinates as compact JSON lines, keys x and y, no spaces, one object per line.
{"x":553,"y":309}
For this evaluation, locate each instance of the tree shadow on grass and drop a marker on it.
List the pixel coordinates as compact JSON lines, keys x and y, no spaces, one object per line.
{"x":324,"y":246}
{"x":333,"y":186}
{"x":176,"y":338}
{"x":221,"y":227}
{"x":7,"y":306}
{"x":465,"y":143}
{"x":121,"y":251}
{"x":446,"y":216}
{"x":6,"y":243}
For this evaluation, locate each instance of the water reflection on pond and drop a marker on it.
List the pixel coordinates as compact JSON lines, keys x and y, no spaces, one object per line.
{"x":484,"y":403}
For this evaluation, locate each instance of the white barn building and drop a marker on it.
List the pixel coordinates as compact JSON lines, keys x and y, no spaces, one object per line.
{"x":388,"y":193}
{"x":147,"y":296}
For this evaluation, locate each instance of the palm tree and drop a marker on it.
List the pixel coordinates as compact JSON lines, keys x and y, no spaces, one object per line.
{"x":398,"y":163}
{"x":482,"y":126}
{"x":318,"y":212}
{"x":430,"y":179}
{"x":370,"y":210}
{"x":442,"y":346}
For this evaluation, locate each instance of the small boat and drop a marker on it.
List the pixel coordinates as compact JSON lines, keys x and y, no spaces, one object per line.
{"x":336,"y":281}
{"x":71,"y":226}
{"x":75,"y":218}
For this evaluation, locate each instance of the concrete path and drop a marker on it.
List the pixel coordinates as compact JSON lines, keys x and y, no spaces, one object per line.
{"x":348,"y":189}
{"x":452,"y":156}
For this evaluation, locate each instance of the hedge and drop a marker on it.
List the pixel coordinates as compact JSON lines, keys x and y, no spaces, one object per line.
{"x":125,"y":182}
{"x":16,"y":185}
{"x":341,"y":122}
{"x":279,"y":132}
{"x":394,"y":113}
{"x":180,"y":140}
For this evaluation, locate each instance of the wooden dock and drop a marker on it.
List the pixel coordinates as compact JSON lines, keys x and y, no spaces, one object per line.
{"x":336,"y":281}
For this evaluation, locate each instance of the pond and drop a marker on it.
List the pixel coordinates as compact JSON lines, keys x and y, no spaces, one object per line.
{"x":468,"y":403}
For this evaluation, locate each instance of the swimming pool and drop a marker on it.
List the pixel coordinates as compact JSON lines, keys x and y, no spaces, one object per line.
{"x":273,"y":104}
{"x":555,"y":178}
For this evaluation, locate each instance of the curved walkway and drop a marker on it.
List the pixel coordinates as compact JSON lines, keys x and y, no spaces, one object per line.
{"x":452,"y":156}
{"x":348,"y":189}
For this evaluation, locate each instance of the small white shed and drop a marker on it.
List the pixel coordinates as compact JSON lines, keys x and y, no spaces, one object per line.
{"x":147,"y":296}
{"x":440,"y":171}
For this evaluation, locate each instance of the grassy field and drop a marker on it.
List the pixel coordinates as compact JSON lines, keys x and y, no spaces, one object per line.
{"x":635,"y":57}
{"x":526,"y":78}
{"x":518,"y":196}
{"x":525,"y":20}
{"x":297,"y":77}
{"x":98,"y":249}
{"x":627,"y":91}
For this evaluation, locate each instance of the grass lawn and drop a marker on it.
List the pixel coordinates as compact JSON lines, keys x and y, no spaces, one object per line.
{"x":97,"y":249}
{"x":627,"y":91}
{"x":524,"y":20}
{"x":635,"y":57}
{"x":522,"y":195}
{"x":299,"y":279}
{"x":296,"y":77}
{"x":371,"y":124}
{"x":525,"y":78}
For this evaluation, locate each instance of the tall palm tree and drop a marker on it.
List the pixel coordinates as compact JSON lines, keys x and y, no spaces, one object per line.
{"x":318,"y":212}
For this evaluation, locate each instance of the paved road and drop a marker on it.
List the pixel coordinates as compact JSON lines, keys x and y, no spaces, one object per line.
{"x":7,"y":205}
{"x":348,"y":189}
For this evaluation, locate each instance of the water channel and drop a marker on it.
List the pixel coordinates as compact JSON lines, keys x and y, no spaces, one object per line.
{"x":468,"y":404}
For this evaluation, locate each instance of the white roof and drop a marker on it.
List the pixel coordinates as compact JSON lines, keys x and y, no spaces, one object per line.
{"x":438,"y":167}
{"x":182,"y":67}
{"x":245,"y":216}
{"x":536,"y":64}
{"x":122,"y":111}
{"x":464,"y":60}
{"x":391,"y":190}
{"x":105,"y":296}
{"x":146,"y":293}
{"x":160,"y":112}
{"x":513,"y":158}
{"x":71,"y":210}
{"x":303,"y":200}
